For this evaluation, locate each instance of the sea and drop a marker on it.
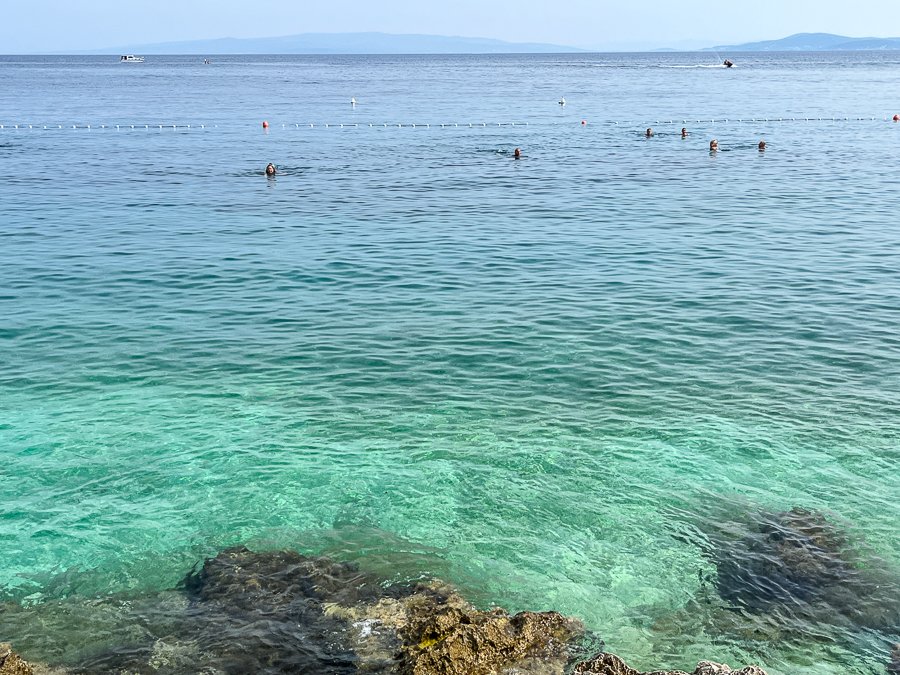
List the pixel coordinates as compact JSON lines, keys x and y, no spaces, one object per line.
{"x":559,"y":382}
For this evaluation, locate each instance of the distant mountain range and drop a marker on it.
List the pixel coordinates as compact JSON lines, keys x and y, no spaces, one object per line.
{"x":812,"y":42}
{"x":387,"y":43}
{"x":342,"y":43}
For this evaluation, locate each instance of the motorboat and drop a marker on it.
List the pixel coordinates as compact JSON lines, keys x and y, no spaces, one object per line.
{"x":131,"y":58}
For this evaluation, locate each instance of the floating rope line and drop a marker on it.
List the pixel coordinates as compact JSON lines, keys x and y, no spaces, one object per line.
{"x":116,"y":127}
{"x":441,"y":125}
{"x":772,"y":119}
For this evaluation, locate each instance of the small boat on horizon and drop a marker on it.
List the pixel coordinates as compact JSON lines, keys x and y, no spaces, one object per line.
{"x":131,"y":58}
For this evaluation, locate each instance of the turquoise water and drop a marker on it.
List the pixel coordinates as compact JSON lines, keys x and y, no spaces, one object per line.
{"x":527,"y":377}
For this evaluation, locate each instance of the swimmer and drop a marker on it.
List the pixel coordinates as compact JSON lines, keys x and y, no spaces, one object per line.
{"x":270,"y":169}
{"x":713,"y":145}
{"x":684,"y":132}
{"x":517,"y":154}
{"x":762,"y":146}
{"x":649,"y":133}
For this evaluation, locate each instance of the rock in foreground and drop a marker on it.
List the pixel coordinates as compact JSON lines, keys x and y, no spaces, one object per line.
{"x":11,"y":663}
{"x":280,"y":612}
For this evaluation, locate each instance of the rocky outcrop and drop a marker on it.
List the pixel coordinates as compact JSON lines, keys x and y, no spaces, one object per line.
{"x":11,"y":663}
{"x":610,"y":664}
{"x":275,"y":612}
{"x":283,"y":612}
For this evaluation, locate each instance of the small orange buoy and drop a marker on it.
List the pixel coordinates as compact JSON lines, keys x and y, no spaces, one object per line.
{"x":265,"y":124}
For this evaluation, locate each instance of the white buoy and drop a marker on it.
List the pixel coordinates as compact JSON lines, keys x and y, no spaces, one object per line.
{"x":353,"y":102}
{"x":562,"y":101}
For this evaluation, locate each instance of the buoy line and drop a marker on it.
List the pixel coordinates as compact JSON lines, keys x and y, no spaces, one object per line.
{"x":268,"y":128}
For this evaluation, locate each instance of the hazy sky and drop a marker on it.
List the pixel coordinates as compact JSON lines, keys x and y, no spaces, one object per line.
{"x":30,"y":26}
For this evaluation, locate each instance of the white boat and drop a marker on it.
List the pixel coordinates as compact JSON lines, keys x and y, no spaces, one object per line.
{"x":131,"y":58}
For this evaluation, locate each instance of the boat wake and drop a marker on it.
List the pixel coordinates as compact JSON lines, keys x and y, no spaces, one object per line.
{"x":698,"y":65}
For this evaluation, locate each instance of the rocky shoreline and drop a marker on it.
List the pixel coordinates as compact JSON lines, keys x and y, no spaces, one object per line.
{"x":262,"y":612}
{"x":283,"y":612}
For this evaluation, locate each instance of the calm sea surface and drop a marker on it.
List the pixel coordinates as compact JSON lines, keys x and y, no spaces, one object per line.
{"x":542,"y":380}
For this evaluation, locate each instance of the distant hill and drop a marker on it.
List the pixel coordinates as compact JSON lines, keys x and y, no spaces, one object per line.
{"x":340,"y":43}
{"x":812,"y":42}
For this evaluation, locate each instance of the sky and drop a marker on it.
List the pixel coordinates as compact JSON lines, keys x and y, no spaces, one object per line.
{"x":40,"y":26}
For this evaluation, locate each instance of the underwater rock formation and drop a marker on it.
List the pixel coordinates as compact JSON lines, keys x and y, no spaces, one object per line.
{"x":610,"y":664}
{"x":800,"y":565}
{"x":894,"y":666}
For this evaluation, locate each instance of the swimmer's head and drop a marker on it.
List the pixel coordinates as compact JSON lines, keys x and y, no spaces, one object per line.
{"x":517,"y":153}
{"x":714,"y":145}
{"x":762,"y":146}
{"x":683,"y":132}
{"x":649,"y":132}
{"x":270,"y":169}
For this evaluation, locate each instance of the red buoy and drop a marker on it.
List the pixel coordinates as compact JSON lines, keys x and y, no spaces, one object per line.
{"x":583,"y":122}
{"x":265,"y":124}
{"x":897,"y":118}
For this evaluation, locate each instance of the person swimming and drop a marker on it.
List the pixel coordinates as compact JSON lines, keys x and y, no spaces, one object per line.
{"x":762,"y":146}
{"x":713,"y":145}
{"x":649,"y":133}
{"x":684,"y":132}
{"x":270,"y":169}
{"x":517,"y":154}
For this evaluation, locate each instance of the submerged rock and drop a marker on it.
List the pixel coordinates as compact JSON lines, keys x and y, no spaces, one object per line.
{"x":610,"y":664}
{"x":803,"y":567}
{"x":894,"y":666}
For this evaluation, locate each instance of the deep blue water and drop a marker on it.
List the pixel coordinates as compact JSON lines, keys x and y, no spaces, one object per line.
{"x":527,"y":377}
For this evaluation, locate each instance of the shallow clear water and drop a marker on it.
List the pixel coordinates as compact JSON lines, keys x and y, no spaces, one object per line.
{"x":528,"y":377}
